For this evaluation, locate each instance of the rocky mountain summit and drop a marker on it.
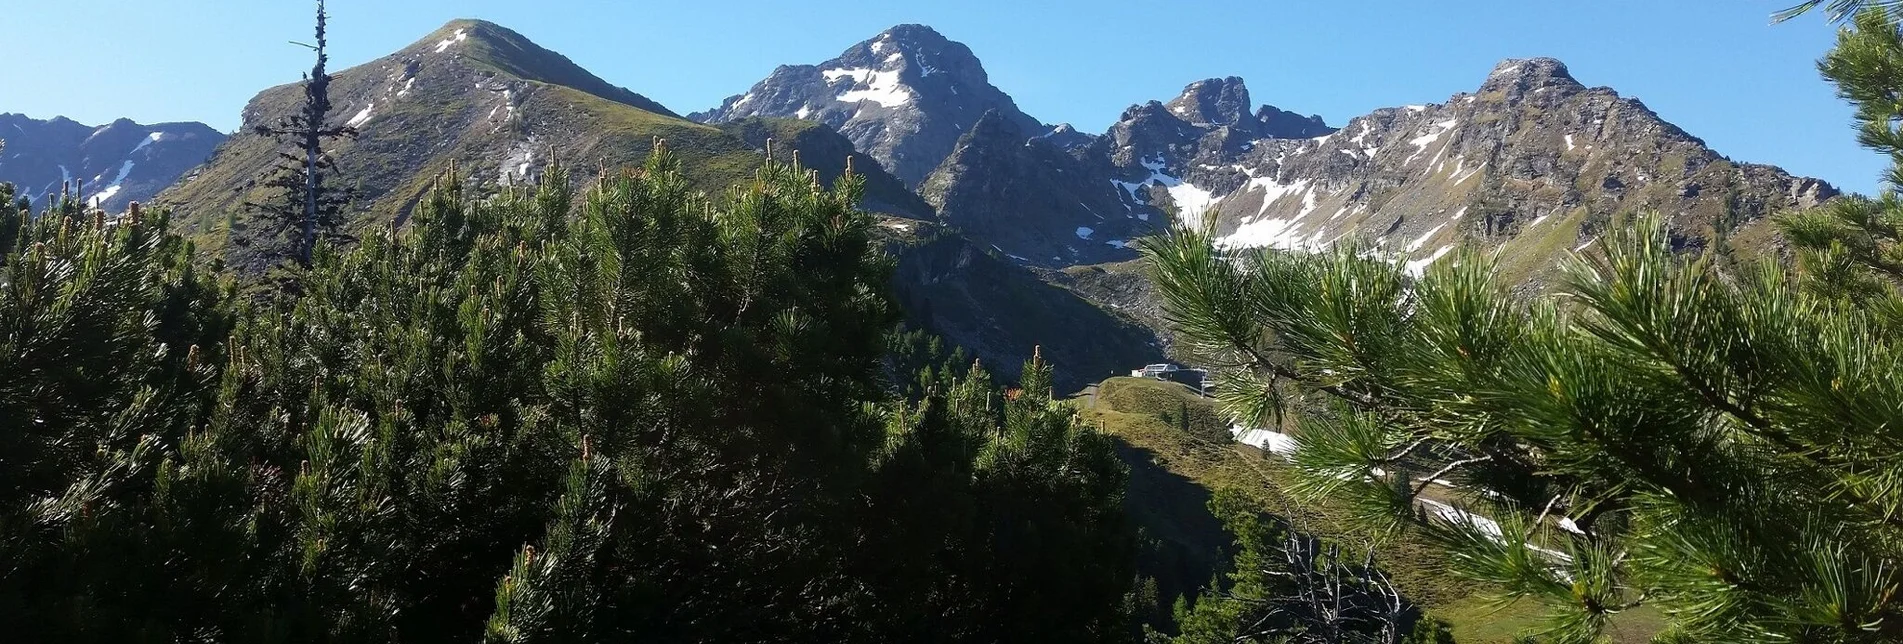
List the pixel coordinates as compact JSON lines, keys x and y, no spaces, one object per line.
{"x":109,"y":165}
{"x":484,"y":99}
{"x":905,"y":96}
{"x":1032,"y":200}
{"x":1532,"y":162}
{"x":472,"y":95}
{"x":1065,"y":198}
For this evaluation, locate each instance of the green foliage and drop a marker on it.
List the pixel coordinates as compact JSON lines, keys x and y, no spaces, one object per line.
{"x":1011,"y":505}
{"x":1289,"y":587}
{"x":640,"y":413}
{"x":1718,"y":446}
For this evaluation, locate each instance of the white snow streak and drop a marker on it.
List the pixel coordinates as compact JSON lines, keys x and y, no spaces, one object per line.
{"x":112,"y":188}
{"x":362,"y":117}
{"x":1421,"y":142}
{"x":1422,"y":240}
{"x":1461,"y":517}
{"x":1419,"y":266}
{"x":882,"y":87}
{"x":1191,"y":201}
{"x":155,"y":137}
{"x":1280,"y":232}
{"x":460,"y":36}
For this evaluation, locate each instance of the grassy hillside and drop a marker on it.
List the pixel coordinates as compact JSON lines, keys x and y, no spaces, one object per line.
{"x":1173,"y":474}
{"x":484,"y":100}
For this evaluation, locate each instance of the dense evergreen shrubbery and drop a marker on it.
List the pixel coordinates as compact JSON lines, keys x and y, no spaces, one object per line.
{"x":637,"y":415}
{"x":1721,"y":447}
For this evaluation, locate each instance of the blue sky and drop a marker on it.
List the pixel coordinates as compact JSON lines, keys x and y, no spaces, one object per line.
{"x":1717,"y":68}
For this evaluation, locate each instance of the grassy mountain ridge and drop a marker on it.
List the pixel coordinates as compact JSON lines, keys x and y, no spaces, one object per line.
{"x":472,"y":96}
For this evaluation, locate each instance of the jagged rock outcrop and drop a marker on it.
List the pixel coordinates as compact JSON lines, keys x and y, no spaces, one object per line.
{"x":905,"y":97}
{"x":1032,"y":200}
{"x":1171,"y":155}
{"x":113,"y":164}
{"x":1533,"y":162}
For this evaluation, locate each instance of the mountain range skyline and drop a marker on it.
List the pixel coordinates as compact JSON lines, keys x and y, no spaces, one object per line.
{"x":1079,"y":67}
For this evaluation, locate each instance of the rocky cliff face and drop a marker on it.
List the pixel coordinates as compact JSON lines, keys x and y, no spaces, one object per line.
{"x":1532,"y":162}
{"x":999,"y":310}
{"x":905,"y":97}
{"x":1065,"y":198}
{"x":109,"y":166}
{"x":1032,"y":200}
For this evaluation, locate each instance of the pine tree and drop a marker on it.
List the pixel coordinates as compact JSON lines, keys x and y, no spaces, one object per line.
{"x":1716,"y":445}
{"x":305,"y":206}
{"x":1713,"y":446}
{"x":637,"y":411}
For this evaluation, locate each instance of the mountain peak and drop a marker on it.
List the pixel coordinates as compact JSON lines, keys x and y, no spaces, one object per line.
{"x":913,"y":33}
{"x":1526,"y":74}
{"x":1218,"y":101}
{"x":904,"y":97}
{"x":504,"y":50}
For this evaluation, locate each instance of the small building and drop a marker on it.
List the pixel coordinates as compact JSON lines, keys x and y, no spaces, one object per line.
{"x":1197,"y":379}
{"x":1158,"y":371}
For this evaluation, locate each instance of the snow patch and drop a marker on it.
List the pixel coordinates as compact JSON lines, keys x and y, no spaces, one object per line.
{"x":1460,"y":175}
{"x":1117,"y":243}
{"x":1021,"y":259}
{"x":1280,"y":232}
{"x":1084,"y":232}
{"x":1419,"y":266}
{"x":461,"y":35}
{"x":898,"y":226}
{"x":363,"y":116}
{"x":803,"y":112}
{"x":1421,"y":142}
{"x":1422,"y":240}
{"x":1569,"y":143}
{"x":155,"y":137}
{"x":112,"y":188}
{"x":1461,"y":517}
{"x":1272,"y":441}
{"x":882,"y":87}
{"x":1191,"y":202}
